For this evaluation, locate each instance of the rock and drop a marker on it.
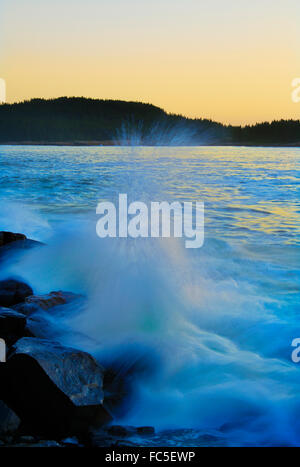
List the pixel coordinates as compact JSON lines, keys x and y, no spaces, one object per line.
{"x":117,"y":391}
{"x":12,"y":325}
{"x":35,"y":444}
{"x":118,"y":430}
{"x":9,"y":421}
{"x":10,"y":241}
{"x":70,"y":442}
{"x":145,"y":430}
{"x":13,"y":291}
{"x":26,"y":439}
{"x":101,"y":438}
{"x":9,"y":237}
{"x":35,"y":303}
{"x":38,"y":326}
{"x":47,"y":444}
{"x":55,"y":390}
{"x":50,"y":300}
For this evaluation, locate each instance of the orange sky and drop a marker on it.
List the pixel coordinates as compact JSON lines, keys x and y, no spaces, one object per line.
{"x":229,"y":60}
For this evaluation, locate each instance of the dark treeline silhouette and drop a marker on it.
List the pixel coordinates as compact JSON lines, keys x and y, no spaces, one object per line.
{"x":91,"y":121}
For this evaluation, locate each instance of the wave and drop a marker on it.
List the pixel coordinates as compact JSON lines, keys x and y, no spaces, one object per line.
{"x":202,"y":349}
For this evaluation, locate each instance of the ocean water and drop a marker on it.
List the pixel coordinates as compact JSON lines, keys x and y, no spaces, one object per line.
{"x":204,"y":335}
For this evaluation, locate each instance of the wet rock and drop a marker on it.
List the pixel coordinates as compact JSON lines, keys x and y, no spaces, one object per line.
{"x":26,"y":308}
{"x":13,"y":291}
{"x":145,"y":430}
{"x":9,"y":237}
{"x":12,"y":325}
{"x":70,"y":442}
{"x":8,"y":439}
{"x":119,"y":431}
{"x":55,"y":390}
{"x":33,"y":444}
{"x":50,"y":300}
{"x":101,"y":438}
{"x":10,"y":242}
{"x":208,"y":439}
{"x":117,"y":391}
{"x":26,"y":439}
{"x":48,"y":444}
{"x":39,"y":326}
{"x":35,"y":303}
{"x":9,"y":421}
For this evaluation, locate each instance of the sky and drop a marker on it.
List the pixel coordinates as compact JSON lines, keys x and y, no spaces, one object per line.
{"x":229,"y":60}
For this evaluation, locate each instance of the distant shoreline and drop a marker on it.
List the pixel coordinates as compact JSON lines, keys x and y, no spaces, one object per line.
{"x":88,"y":122}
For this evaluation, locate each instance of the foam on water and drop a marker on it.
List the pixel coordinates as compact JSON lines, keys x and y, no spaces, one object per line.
{"x":205,"y":335}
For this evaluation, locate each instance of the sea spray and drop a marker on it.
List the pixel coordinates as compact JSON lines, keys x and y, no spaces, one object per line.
{"x":204,"y":336}
{"x":154,"y":318}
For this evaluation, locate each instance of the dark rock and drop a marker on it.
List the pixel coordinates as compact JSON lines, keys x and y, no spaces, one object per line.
{"x":10,"y":242}
{"x":47,"y":444}
{"x":12,"y":325}
{"x":70,"y":442}
{"x":34,"y":444}
{"x":118,"y":430}
{"x":145,"y":430}
{"x":209,"y":438}
{"x":9,"y":421}
{"x":35,"y":303}
{"x":10,"y":237}
{"x":52,"y":299}
{"x":117,"y":392}
{"x":55,"y":390}
{"x":101,"y":438}
{"x":26,"y":308}
{"x":39,"y":326}
{"x":13,"y":291}
{"x":26,"y":439}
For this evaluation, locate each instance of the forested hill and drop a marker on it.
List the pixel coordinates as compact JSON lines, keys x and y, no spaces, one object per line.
{"x":90,"y":121}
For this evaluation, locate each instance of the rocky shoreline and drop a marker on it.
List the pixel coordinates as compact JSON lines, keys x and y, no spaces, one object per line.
{"x":51,"y":395}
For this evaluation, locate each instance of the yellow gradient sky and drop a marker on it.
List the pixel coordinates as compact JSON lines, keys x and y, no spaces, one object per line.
{"x":229,"y":60}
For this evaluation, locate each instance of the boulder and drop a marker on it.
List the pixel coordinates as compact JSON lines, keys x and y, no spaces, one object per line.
{"x":10,"y":237}
{"x":117,"y":392}
{"x":145,"y":430}
{"x":35,"y":303}
{"x":13,"y":291}
{"x":9,"y":421}
{"x":121,"y":431}
{"x":10,"y":242}
{"x":55,"y":390}
{"x":12,"y":325}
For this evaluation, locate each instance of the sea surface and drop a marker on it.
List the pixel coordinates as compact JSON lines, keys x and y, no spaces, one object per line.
{"x":204,"y":335}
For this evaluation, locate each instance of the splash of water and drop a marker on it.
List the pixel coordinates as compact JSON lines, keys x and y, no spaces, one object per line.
{"x":190,"y":342}
{"x":204,"y":336}
{"x":163,"y":132}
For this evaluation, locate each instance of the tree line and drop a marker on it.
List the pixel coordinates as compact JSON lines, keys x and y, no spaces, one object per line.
{"x":79,"y":120}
